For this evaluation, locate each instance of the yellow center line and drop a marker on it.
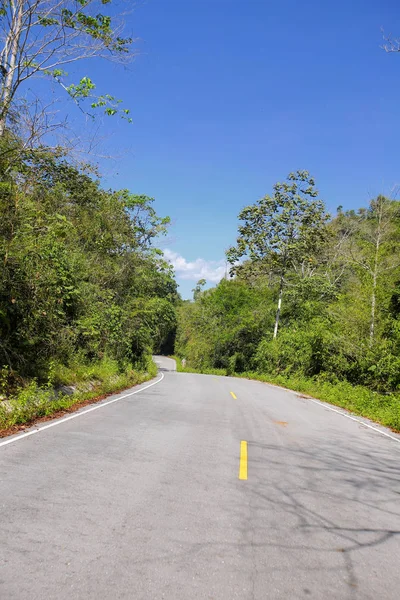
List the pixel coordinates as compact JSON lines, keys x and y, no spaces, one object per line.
{"x":243,"y":460}
{"x":233,"y":395}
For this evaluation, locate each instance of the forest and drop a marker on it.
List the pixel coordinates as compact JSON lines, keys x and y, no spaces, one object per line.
{"x":313,"y":301}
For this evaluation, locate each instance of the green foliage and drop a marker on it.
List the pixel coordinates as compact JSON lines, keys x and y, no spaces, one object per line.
{"x":283,"y":228}
{"x":384,"y":409}
{"x":79,"y":274}
{"x":339,"y":333}
{"x":309,"y":350}
{"x":282,"y":232}
{"x":198,"y":288}
{"x":223,"y":326}
{"x":41,"y":38}
{"x":90,"y":381}
{"x":85,"y":89}
{"x":188,"y":369}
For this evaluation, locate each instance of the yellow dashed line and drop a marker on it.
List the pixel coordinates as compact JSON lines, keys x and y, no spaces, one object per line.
{"x":233,"y":396}
{"x":243,"y":460}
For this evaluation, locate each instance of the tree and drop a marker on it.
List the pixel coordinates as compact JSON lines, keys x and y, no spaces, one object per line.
{"x":374,"y":249}
{"x":282,"y":230}
{"x":42,"y":37}
{"x":391,"y":44}
{"x":79,"y":274}
{"x":198,"y":288}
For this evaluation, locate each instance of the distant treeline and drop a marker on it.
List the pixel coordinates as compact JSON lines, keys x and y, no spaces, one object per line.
{"x":312,"y":295}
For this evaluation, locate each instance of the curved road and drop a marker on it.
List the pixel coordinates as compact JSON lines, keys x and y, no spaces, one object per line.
{"x":141,"y":498}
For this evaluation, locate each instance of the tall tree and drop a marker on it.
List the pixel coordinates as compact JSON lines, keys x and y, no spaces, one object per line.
{"x":198,"y":288}
{"x":282,"y":230}
{"x":374,"y":250}
{"x":40,"y":38}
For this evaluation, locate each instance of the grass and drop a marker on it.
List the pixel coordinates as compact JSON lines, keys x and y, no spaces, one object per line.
{"x":97,"y":380}
{"x":90,"y":382}
{"x":381,"y":408}
{"x":187,"y":369}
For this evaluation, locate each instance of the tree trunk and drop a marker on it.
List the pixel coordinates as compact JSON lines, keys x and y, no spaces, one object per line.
{"x":9,"y":62}
{"x":373,"y":303}
{"x":375,"y":276}
{"x":278,"y":312}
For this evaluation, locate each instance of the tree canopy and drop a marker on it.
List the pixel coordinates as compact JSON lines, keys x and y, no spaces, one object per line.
{"x":339,"y":278}
{"x":79,"y":272}
{"x":43,"y":38}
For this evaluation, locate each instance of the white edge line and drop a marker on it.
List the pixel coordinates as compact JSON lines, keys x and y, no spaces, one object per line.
{"x":77,"y":414}
{"x":324,"y":405}
{"x":329,"y":407}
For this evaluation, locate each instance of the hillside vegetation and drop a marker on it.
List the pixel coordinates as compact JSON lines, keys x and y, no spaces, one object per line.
{"x":84,"y":296}
{"x":314,"y":302}
{"x":81,"y":290}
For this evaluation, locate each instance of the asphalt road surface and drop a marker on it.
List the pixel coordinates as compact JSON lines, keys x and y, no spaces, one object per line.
{"x":152,"y":496}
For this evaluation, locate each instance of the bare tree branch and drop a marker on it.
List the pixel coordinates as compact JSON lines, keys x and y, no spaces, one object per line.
{"x":39,"y":38}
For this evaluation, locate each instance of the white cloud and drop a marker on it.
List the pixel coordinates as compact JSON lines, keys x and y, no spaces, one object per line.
{"x":210,"y":270}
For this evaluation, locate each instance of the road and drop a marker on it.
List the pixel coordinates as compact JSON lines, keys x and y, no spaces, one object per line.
{"x":141,"y":499}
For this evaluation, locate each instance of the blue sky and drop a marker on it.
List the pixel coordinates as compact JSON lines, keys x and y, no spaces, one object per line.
{"x":229,"y":96}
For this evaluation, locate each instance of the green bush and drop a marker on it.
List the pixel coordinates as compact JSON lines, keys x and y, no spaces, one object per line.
{"x":309,"y":351}
{"x":89,"y":380}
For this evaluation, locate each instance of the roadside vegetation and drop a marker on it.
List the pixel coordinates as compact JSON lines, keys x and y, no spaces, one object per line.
{"x":85,"y":298}
{"x":81,"y":289}
{"x":382,"y":408}
{"x":88,"y":383}
{"x":314,"y":303}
